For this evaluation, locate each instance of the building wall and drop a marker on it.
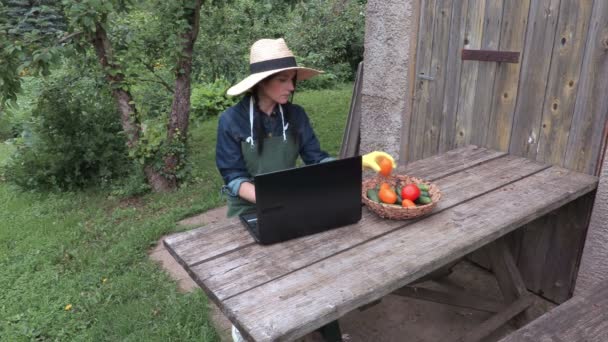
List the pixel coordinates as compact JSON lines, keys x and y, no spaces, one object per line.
{"x":385,"y":96}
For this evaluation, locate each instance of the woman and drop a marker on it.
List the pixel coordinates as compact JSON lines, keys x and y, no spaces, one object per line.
{"x":264,"y":132}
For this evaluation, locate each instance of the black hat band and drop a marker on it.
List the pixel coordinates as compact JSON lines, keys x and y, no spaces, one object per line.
{"x":272,"y":64}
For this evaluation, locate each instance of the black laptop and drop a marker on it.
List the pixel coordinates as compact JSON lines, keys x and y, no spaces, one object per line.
{"x":305,"y":200}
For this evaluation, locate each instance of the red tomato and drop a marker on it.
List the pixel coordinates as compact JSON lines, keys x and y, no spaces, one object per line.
{"x":410,"y":192}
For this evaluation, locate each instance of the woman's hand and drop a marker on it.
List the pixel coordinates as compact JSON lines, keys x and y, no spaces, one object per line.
{"x":370,"y":160}
{"x":247,"y":191}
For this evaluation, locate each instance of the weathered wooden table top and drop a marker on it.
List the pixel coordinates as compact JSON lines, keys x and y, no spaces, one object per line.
{"x":286,"y":290}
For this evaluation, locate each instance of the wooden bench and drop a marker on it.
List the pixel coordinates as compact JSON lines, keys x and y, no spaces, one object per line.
{"x":583,"y":318}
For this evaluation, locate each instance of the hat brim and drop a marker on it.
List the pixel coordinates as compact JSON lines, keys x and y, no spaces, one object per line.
{"x":253,"y":79}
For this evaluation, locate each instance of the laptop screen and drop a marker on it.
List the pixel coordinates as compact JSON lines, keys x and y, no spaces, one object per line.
{"x":308,"y":200}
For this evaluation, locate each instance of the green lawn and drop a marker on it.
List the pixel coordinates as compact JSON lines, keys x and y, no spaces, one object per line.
{"x":75,"y":266}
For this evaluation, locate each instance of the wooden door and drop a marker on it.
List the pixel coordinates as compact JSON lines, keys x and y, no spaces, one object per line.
{"x":551,"y":106}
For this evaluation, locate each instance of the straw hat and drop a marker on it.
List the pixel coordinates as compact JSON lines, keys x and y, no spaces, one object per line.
{"x":268,"y":57}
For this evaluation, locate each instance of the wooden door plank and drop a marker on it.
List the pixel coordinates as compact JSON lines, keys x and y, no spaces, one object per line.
{"x":586,"y":141}
{"x":504,"y":95}
{"x":486,"y":73}
{"x":564,"y":74}
{"x":304,"y":300}
{"x":447,"y":139}
{"x":468,"y":78}
{"x":421,"y":92}
{"x":254,"y":265}
{"x":432,"y":113}
{"x":533,"y":77}
{"x":216,"y":239}
{"x":584,"y":318}
{"x":352,"y":132}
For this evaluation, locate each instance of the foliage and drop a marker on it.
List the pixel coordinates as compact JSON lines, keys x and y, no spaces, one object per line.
{"x":75,"y":138}
{"x":90,"y":249}
{"x":323,"y":34}
{"x":16,"y":115}
{"x":210,"y":99}
{"x":29,"y":30}
{"x":329,"y":37}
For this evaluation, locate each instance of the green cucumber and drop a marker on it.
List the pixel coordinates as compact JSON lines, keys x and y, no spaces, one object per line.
{"x":424,"y":193}
{"x":373,"y":195}
{"x":398,"y":191}
{"x":423,"y":187}
{"x":424,"y":200}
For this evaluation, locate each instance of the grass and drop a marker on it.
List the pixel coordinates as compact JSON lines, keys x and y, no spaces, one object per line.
{"x":75,"y":266}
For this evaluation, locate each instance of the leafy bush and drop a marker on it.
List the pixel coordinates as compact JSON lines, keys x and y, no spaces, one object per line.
{"x":6,"y":129}
{"x":323,"y":81}
{"x":210,"y":99}
{"x":323,"y":34}
{"x":75,"y":139}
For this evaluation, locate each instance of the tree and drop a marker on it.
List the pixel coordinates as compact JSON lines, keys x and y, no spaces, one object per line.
{"x":30,"y":43}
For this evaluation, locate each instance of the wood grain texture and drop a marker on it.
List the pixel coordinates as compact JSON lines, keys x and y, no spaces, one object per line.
{"x":562,"y":85}
{"x":421,"y":92}
{"x":466,"y":99}
{"x":533,"y":77}
{"x":447,"y":139}
{"x":352,"y":131}
{"x":504,"y":96}
{"x":584,"y":318}
{"x":455,"y":297}
{"x":208,"y":241}
{"x":587,"y":136}
{"x":551,"y":249}
{"x":237,"y":272}
{"x":490,"y":325}
{"x":434,"y":109}
{"x":486,"y":73}
{"x":304,"y":300}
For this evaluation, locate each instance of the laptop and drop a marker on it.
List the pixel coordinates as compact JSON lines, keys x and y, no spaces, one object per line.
{"x":305,"y":200}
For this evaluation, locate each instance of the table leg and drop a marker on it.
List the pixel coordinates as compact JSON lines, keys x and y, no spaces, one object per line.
{"x":508,"y":277}
{"x":331,"y":332}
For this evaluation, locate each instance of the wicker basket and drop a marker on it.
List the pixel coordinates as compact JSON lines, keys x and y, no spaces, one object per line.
{"x":395,"y":212}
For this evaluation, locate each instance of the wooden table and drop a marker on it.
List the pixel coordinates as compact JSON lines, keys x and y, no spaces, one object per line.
{"x":286,"y":290}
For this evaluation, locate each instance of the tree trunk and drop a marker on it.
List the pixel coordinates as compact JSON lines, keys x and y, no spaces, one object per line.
{"x":128,"y":117}
{"x":177,"y":132}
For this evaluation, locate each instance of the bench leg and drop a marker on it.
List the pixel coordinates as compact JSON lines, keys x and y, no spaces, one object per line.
{"x":331,"y":332}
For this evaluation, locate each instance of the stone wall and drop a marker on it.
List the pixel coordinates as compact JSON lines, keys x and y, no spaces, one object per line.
{"x":385,"y":100}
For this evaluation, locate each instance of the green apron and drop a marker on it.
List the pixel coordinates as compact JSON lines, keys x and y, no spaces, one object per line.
{"x":278,"y":154}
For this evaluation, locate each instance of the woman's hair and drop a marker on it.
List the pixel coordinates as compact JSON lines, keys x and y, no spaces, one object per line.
{"x":258,"y":126}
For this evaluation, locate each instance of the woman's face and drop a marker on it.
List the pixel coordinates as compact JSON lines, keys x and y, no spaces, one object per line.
{"x":279,"y":87}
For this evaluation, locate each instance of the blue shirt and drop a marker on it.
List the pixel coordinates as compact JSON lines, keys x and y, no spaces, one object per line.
{"x":234,"y":128}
